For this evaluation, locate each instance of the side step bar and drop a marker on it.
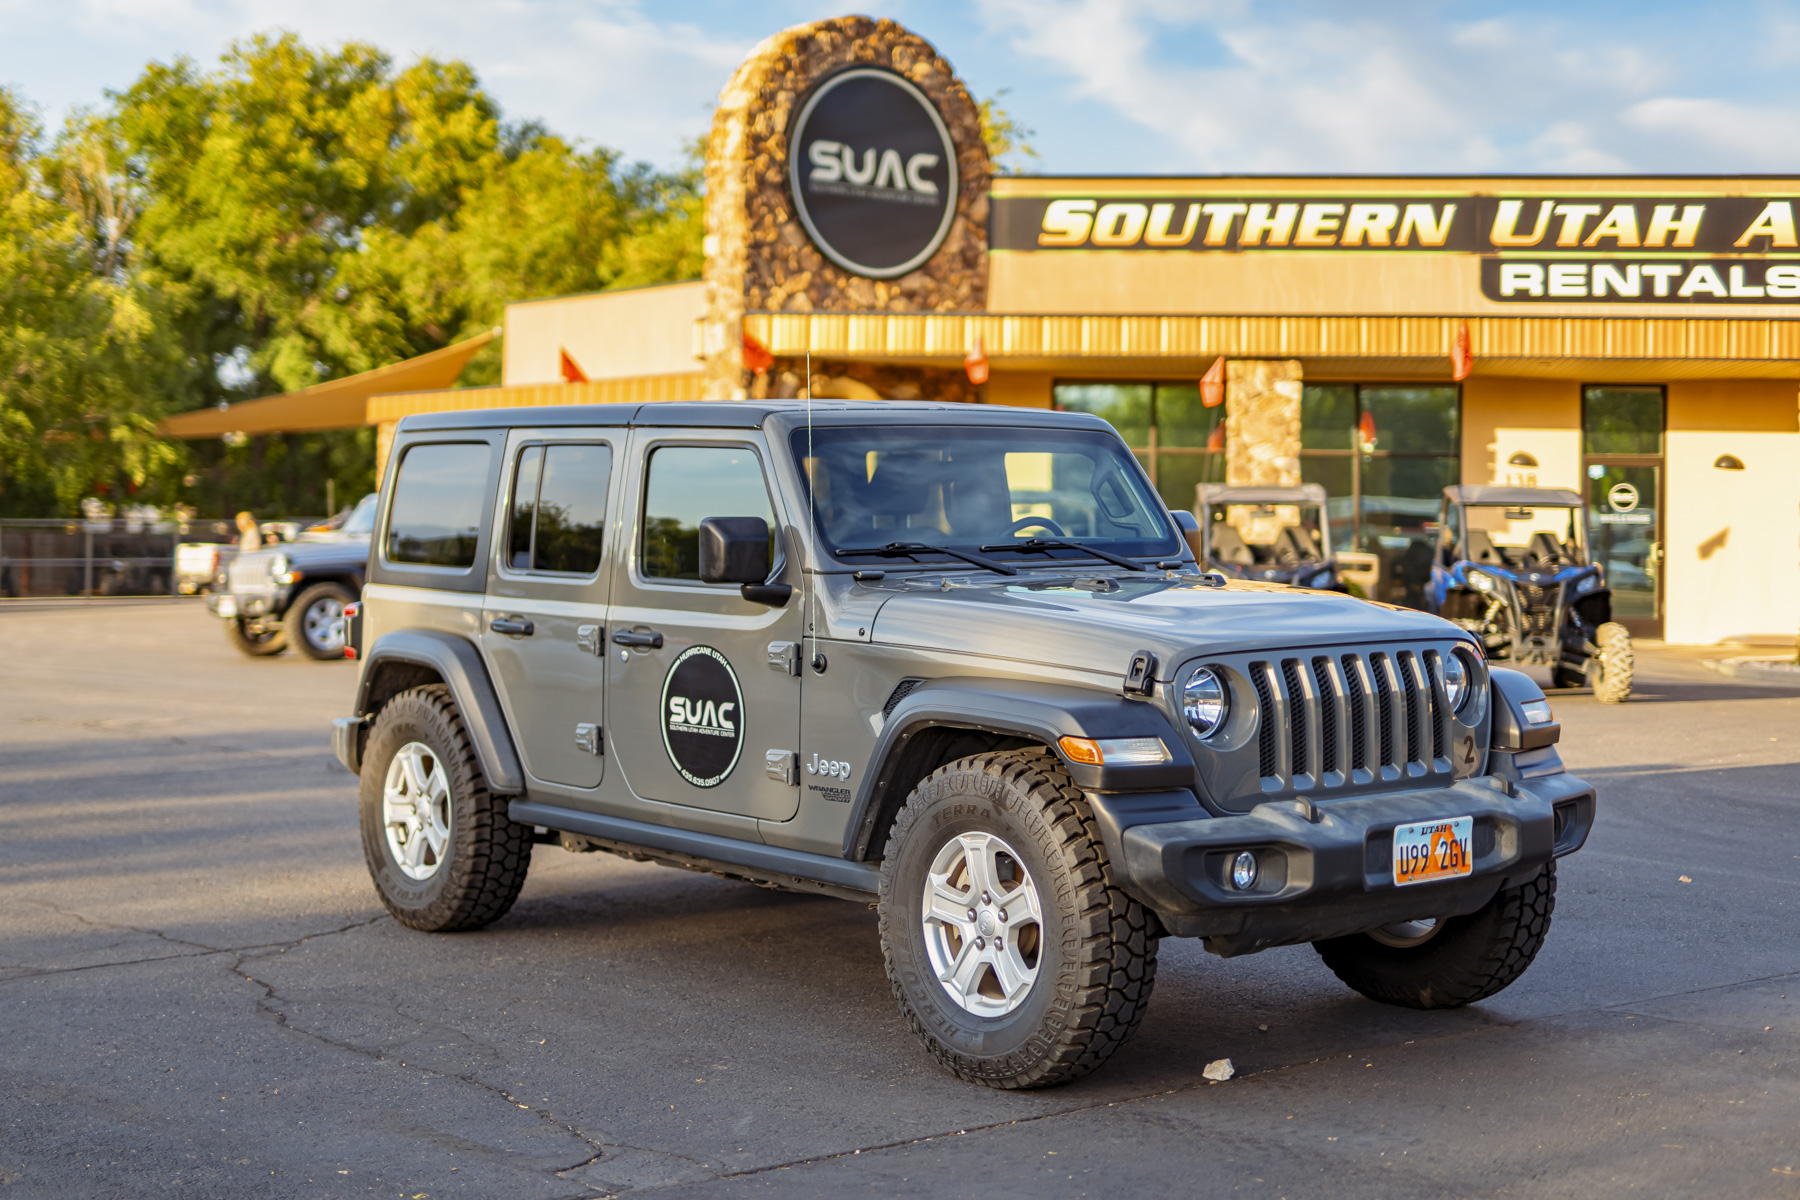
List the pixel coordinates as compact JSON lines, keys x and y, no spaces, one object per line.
{"x":795,"y":870}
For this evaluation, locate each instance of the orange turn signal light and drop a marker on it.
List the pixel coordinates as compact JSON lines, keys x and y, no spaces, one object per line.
{"x":1081,"y":750}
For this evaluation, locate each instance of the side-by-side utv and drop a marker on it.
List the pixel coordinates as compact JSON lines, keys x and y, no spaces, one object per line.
{"x":1276,"y":534}
{"x":1513,"y":568}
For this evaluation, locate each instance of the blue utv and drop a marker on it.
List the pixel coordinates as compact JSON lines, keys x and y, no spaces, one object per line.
{"x":1513,"y":568}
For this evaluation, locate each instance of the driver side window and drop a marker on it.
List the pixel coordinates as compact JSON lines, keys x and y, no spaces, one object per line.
{"x":683,"y":486}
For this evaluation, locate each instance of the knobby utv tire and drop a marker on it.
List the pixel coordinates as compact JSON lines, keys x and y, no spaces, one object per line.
{"x":256,"y":645}
{"x":1471,"y":958}
{"x":1097,"y":947}
{"x":1616,"y":663}
{"x":488,"y":853}
{"x":294,"y":623}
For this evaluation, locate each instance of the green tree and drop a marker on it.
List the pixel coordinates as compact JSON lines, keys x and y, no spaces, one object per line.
{"x":1008,"y":141}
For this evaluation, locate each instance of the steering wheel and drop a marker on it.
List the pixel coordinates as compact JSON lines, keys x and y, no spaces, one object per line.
{"x":1036,"y":523}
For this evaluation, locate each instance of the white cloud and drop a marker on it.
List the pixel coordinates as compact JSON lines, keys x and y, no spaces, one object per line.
{"x":1310,"y":87}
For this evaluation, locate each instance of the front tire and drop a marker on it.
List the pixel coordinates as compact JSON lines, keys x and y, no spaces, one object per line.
{"x":1459,"y":960}
{"x":256,"y":644}
{"x":442,"y":851}
{"x":1053,"y":971}
{"x":1616,"y":664}
{"x":315,"y":621}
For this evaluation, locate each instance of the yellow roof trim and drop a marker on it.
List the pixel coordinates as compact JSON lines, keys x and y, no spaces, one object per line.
{"x":1025,"y":340}
{"x":337,"y":404}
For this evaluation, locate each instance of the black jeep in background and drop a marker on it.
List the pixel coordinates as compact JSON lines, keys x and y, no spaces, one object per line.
{"x":296,"y":591}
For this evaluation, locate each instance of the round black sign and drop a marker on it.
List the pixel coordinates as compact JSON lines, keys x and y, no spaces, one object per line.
{"x":703,"y":716}
{"x":873,"y":172}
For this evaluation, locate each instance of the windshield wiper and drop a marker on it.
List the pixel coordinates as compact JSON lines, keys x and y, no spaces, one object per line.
{"x":914,"y":549}
{"x":1048,"y":544}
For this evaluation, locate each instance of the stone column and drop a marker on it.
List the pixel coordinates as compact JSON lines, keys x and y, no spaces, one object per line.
{"x":1262,"y":422}
{"x":758,"y":257}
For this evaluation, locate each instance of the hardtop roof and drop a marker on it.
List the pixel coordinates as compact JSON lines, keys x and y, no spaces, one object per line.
{"x":744,"y":414}
{"x":1512,"y":497}
{"x":1225,"y":493}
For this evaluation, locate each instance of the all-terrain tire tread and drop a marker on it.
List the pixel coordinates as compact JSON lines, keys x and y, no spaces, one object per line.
{"x":1521,"y":919}
{"x":488,"y":868}
{"x":1617,"y":664}
{"x":1119,"y":941}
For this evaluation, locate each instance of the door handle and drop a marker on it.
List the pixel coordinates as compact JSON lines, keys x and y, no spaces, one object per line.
{"x":628,"y":637}
{"x":513,"y":625}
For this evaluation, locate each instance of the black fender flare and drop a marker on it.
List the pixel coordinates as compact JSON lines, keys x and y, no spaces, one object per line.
{"x":458,"y":663}
{"x":1039,"y":712}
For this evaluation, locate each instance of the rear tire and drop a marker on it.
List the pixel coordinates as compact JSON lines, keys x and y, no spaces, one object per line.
{"x":1469,"y":958}
{"x":256,"y":645}
{"x":1010,"y":838}
{"x":442,"y":851}
{"x":1616,"y":664}
{"x":315,"y":621}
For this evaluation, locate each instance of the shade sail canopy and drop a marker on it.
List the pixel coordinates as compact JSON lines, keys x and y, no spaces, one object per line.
{"x":339,"y":404}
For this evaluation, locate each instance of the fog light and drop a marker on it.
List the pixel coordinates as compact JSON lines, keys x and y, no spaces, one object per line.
{"x":1243,"y":871}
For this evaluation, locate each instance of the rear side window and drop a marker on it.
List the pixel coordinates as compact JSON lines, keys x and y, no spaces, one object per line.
{"x":558,"y":517}
{"x":686,"y":485}
{"x":438,"y":493}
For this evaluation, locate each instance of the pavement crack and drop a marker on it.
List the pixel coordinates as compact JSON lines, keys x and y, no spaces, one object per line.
{"x":96,"y":923}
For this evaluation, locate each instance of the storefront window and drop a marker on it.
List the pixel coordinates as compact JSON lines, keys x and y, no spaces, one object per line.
{"x":1165,"y":424}
{"x":1384,"y":453}
{"x":1621,"y":420}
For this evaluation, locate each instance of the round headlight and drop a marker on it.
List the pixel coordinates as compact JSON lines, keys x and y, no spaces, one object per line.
{"x":278,"y":565}
{"x":1456,"y":682}
{"x":1204,"y":701}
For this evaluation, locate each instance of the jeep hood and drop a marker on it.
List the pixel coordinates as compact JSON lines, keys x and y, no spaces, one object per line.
{"x":1098,"y":624}
{"x":317,"y":553}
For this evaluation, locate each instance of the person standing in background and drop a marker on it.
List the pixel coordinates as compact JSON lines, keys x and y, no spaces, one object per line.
{"x":249,"y":537}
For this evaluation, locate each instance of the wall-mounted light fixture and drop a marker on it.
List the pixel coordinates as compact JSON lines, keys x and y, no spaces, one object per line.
{"x":1728,"y":462}
{"x":1521,"y":459}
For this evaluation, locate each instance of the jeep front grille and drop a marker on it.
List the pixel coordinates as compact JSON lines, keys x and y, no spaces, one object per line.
{"x":250,"y":574}
{"x":1347,"y":720}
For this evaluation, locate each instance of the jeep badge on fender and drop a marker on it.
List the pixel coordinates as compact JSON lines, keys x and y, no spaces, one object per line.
{"x":1046,"y":740}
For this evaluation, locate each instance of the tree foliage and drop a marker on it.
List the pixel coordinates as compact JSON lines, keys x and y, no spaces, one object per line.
{"x":293,"y":215}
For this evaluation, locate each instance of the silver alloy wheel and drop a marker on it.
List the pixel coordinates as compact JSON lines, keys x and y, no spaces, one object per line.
{"x":983,"y":924}
{"x":415,"y":811}
{"x":323,"y":624}
{"x":1403,"y":935}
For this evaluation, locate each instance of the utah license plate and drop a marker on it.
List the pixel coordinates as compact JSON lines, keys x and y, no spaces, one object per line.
{"x":1429,"y":850}
{"x":228,"y":607}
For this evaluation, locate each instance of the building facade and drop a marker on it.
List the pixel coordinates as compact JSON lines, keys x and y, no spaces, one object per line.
{"x":1634,"y":339}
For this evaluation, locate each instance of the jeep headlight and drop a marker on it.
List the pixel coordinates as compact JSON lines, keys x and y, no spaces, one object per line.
{"x":1456,"y":681}
{"x":1481,"y":581}
{"x":1204,"y":701}
{"x":278,"y":565}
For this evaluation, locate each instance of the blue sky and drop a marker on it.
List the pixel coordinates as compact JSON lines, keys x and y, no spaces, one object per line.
{"x":1110,"y":86}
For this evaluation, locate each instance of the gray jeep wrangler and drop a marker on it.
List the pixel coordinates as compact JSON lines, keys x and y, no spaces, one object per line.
{"x":954,"y":661}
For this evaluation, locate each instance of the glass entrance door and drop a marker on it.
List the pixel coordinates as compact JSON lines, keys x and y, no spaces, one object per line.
{"x":1625,"y":528}
{"x":1622,"y":448}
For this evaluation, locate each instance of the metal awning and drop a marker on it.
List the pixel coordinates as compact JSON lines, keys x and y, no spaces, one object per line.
{"x":338,"y":404}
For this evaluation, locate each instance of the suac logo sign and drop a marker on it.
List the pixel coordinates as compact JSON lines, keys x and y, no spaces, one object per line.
{"x":702,"y":712}
{"x":873,"y":173}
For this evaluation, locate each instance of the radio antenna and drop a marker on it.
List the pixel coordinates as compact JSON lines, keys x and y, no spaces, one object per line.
{"x":812,"y":541}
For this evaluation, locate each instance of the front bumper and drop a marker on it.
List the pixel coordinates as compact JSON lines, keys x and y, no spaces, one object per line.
{"x":249,"y":605}
{"x":1327,"y":870}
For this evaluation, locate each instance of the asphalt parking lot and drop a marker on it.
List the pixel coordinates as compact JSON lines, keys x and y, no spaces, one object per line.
{"x":201,"y":996}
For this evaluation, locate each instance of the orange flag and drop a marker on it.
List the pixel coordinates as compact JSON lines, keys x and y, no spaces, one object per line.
{"x":1212,"y":384}
{"x":1461,"y":360}
{"x":571,"y":371}
{"x":975,"y":363}
{"x":756,"y":355}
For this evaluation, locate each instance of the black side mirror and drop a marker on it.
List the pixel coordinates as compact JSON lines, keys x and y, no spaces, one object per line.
{"x":736,"y":550}
{"x":1190,"y":531}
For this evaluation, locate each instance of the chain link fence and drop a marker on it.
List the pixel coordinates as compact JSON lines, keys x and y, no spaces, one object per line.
{"x":111,"y":557}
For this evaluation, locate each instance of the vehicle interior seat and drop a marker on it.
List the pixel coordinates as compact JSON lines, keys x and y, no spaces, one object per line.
{"x":1228,"y":546}
{"x":1294,"y":545}
{"x":1544,"y":551}
{"x":1480,"y":548}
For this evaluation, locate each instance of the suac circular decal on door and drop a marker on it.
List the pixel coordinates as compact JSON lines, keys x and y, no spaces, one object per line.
{"x":702,"y":714}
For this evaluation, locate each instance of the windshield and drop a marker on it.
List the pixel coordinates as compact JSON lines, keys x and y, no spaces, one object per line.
{"x":1544,"y":536}
{"x":361,"y":520}
{"x":975,"y":487}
